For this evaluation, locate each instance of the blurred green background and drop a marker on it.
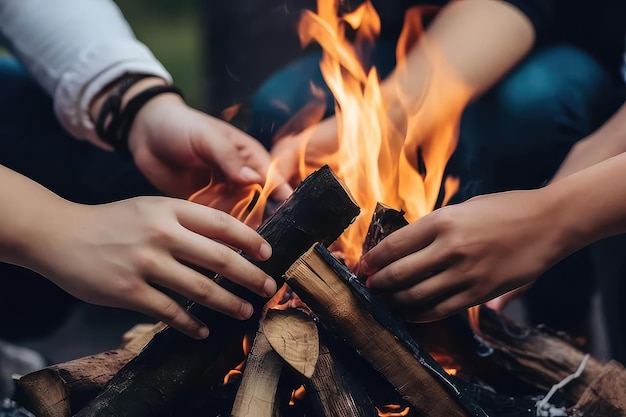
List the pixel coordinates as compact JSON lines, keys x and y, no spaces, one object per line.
{"x":173,"y":31}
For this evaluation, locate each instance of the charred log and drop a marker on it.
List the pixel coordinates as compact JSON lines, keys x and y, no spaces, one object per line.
{"x":345,"y":306}
{"x":62,"y":389}
{"x":318,"y":211}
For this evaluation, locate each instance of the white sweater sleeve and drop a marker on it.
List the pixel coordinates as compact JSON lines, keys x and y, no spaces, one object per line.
{"x":74,"y":48}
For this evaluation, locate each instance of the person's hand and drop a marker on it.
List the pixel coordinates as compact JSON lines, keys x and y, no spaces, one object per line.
{"x":464,"y":254}
{"x":180,"y":149}
{"x":119,"y":254}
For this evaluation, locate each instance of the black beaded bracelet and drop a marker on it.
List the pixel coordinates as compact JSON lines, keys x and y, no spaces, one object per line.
{"x":116,"y":132}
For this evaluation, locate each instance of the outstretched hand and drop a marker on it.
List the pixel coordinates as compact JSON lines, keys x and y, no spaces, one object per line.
{"x":119,"y":254}
{"x":465,"y":254}
{"x":180,"y":150}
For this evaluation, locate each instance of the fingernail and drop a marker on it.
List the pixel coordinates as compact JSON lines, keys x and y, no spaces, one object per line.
{"x":269,"y":288}
{"x":246,"y":311}
{"x":266,"y":251}
{"x":203,"y":332}
{"x":250,"y":175}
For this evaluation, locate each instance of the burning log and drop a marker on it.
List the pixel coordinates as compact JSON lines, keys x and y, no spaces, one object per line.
{"x":283,"y":336}
{"x":345,"y":306}
{"x":318,"y":211}
{"x":537,"y":357}
{"x":385,"y":221}
{"x":62,"y":389}
{"x":257,"y":391}
{"x":334,"y":391}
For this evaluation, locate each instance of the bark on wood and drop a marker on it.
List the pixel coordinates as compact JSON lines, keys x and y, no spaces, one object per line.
{"x":256,"y":396}
{"x":385,"y":221}
{"x":334,"y":391}
{"x":345,"y":306}
{"x":538,"y":357}
{"x":606,"y":396}
{"x":62,"y":389}
{"x":318,"y":211}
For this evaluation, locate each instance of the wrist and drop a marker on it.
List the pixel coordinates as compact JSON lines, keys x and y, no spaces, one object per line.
{"x":564,"y":224}
{"x":112,"y":88}
{"x":118,"y":106}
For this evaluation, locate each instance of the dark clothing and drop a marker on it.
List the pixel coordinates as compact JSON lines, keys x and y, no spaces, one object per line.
{"x":597,"y":27}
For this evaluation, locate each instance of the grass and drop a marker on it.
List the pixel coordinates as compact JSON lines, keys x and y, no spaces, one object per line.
{"x":172,"y":31}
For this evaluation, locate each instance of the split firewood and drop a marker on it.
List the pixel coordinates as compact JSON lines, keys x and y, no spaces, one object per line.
{"x":333,"y":390}
{"x":256,"y":396}
{"x":346,"y":307}
{"x":294,"y":337}
{"x":284,"y":336}
{"x":605,"y":395}
{"x":61,"y":390}
{"x":317,"y":211}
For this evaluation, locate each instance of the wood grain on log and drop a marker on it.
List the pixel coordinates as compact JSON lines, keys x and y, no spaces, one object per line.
{"x":606,"y":396}
{"x":256,"y":396}
{"x":344,"y":305}
{"x":294,"y":337}
{"x":334,"y":391}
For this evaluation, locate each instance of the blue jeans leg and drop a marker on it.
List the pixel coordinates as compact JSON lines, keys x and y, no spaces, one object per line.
{"x":517,"y":134}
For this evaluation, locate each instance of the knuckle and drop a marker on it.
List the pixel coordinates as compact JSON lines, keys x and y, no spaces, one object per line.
{"x":220,"y":221}
{"x":415,"y":295}
{"x":222,"y":258}
{"x":146,"y":260}
{"x":171,"y":311}
{"x":392,"y":246}
{"x":396,"y":273}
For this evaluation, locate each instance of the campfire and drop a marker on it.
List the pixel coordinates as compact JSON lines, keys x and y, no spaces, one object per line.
{"x":324,"y":346}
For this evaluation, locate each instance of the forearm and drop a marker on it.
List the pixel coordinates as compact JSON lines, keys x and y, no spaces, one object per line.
{"x":589,"y":205}
{"x":29,"y":218}
{"x":479,"y":41}
{"x":606,"y":142}
{"x":74,"y":48}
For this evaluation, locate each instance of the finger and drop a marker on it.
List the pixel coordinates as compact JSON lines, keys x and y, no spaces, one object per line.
{"x":154,"y":303}
{"x":216,"y":224}
{"x":221,"y":259}
{"x":455,"y":303}
{"x":406,"y":271}
{"x":197,"y":287}
{"x":223,"y":152}
{"x":433,"y":289}
{"x":397,"y":245}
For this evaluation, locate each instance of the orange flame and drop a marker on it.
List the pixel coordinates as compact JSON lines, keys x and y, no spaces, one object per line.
{"x":398,"y":164}
{"x":393,"y":410}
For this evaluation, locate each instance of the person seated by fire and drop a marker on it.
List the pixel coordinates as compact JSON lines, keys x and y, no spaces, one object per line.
{"x":97,"y":223}
{"x":520,"y":82}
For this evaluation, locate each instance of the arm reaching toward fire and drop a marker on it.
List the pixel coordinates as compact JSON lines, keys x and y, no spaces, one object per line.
{"x":80,"y":51}
{"x":118,"y":254}
{"x":469,"y":253}
{"x":480,"y":40}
